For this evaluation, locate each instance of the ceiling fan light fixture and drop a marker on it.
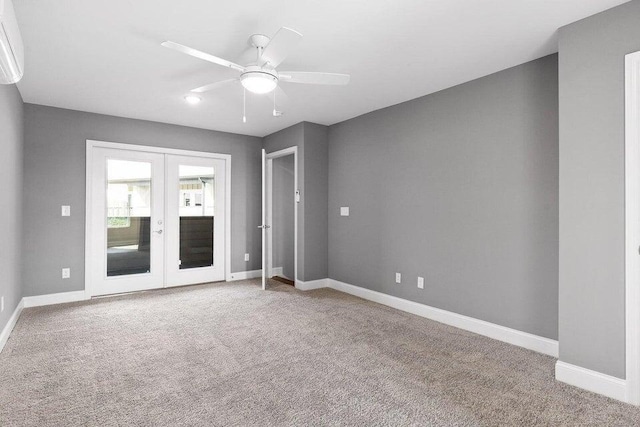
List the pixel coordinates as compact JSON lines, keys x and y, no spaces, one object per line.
{"x":259,"y":82}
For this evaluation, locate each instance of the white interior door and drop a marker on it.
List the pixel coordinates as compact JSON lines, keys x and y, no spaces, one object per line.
{"x":127,"y":221}
{"x":195,"y":251}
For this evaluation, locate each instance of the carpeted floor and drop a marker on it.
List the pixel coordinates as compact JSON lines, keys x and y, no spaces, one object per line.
{"x":230,"y":354}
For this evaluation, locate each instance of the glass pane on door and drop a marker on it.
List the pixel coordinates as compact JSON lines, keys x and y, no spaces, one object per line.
{"x":128,"y":217}
{"x":196,"y":210}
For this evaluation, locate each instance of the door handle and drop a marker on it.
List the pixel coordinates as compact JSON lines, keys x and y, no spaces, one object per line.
{"x":158,"y":231}
{"x":264,"y":226}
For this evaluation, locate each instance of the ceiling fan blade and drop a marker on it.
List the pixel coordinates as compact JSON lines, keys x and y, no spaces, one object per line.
{"x":281,"y":98}
{"x":202,"y":55}
{"x":280,"y":45}
{"x":314,"y":78}
{"x":282,"y":95}
{"x":212,"y":86}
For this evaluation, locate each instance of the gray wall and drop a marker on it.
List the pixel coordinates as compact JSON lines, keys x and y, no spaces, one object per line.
{"x":459,"y":187}
{"x":54,"y":162}
{"x":312,"y":142}
{"x":591,"y":276}
{"x":282,"y":227}
{"x":11,"y":143}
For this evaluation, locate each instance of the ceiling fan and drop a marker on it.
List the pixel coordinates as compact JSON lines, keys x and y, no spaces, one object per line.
{"x":261,"y":77}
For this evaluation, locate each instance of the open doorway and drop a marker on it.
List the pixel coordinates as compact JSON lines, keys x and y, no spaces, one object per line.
{"x":282,"y":219}
{"x":280,"y":229}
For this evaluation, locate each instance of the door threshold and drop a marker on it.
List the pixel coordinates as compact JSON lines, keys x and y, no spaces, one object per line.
{"x":153,"y":290}
{"x":284,"y":280}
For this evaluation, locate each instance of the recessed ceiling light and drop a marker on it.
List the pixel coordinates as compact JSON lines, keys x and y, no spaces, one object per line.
{"x":192,"y":99}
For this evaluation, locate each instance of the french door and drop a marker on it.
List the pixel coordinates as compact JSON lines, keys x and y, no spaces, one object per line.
{"x":157,"y":220}
{"x":195,"y":220}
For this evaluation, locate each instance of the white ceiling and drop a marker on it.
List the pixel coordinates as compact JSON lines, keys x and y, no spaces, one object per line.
{"x":105,"y":56}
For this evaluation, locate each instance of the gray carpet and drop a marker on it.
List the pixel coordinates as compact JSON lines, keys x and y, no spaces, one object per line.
{"x":230,"y":354}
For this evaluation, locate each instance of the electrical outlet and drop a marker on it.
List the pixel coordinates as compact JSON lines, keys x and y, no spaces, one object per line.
{"x":398,"y":278}
{"x":344,"y":211}
{"x":66,"y":273}
{"x":420,"y":282}
{"x":1,"y":304}
{"x":246,"y":257}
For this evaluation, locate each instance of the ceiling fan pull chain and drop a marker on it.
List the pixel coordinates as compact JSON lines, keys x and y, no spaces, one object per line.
{"x":274,"y":103}
{"x":244,"y":105}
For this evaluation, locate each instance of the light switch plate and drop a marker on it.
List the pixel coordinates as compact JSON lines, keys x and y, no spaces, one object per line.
{"x":420,"y":282}
{"x":246,"y":257}
{"x":66,"y":210}
{"x":66,"y":273}
{"x":344,"y":211}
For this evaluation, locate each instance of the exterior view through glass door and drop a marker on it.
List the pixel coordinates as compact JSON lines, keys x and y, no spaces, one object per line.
{"x":157,"y":220}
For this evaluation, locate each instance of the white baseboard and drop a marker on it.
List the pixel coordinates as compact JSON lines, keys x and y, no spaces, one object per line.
{"x":587,"y":379}
{"x":6,"y":331}
{"x":38,"y":301}
{"x":244,"y":275}
{"x":277,"y":271}
{"x":312,"y":284}
{"x":512,"y":336}
{"x":51,"y":299}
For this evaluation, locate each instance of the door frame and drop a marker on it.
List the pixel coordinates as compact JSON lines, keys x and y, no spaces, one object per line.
{"x":632,"y":227}
{"x":91,"y":144}
{"x":269,"y":196}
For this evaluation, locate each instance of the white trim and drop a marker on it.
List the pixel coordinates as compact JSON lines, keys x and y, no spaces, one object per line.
{"x":269,"y":157}
{"x":227,"y":221}
{"x":51,"y":299}
{"x":587,"y":379}
{"x":268,"y":179}
{"x":312,"y":284}
{"x":244,"y":275}
{"x":632,"y":226}
{"x":38,"y":301}
{"x":277,"y":271}
{"x":263,"y":218}
{"x":151,"y":149}
{"x":268,"y":199}
{"x":6,"y":331}
{"x":91,"y":144}
{"x":491,"y":330}
{"x":88,"y":233}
